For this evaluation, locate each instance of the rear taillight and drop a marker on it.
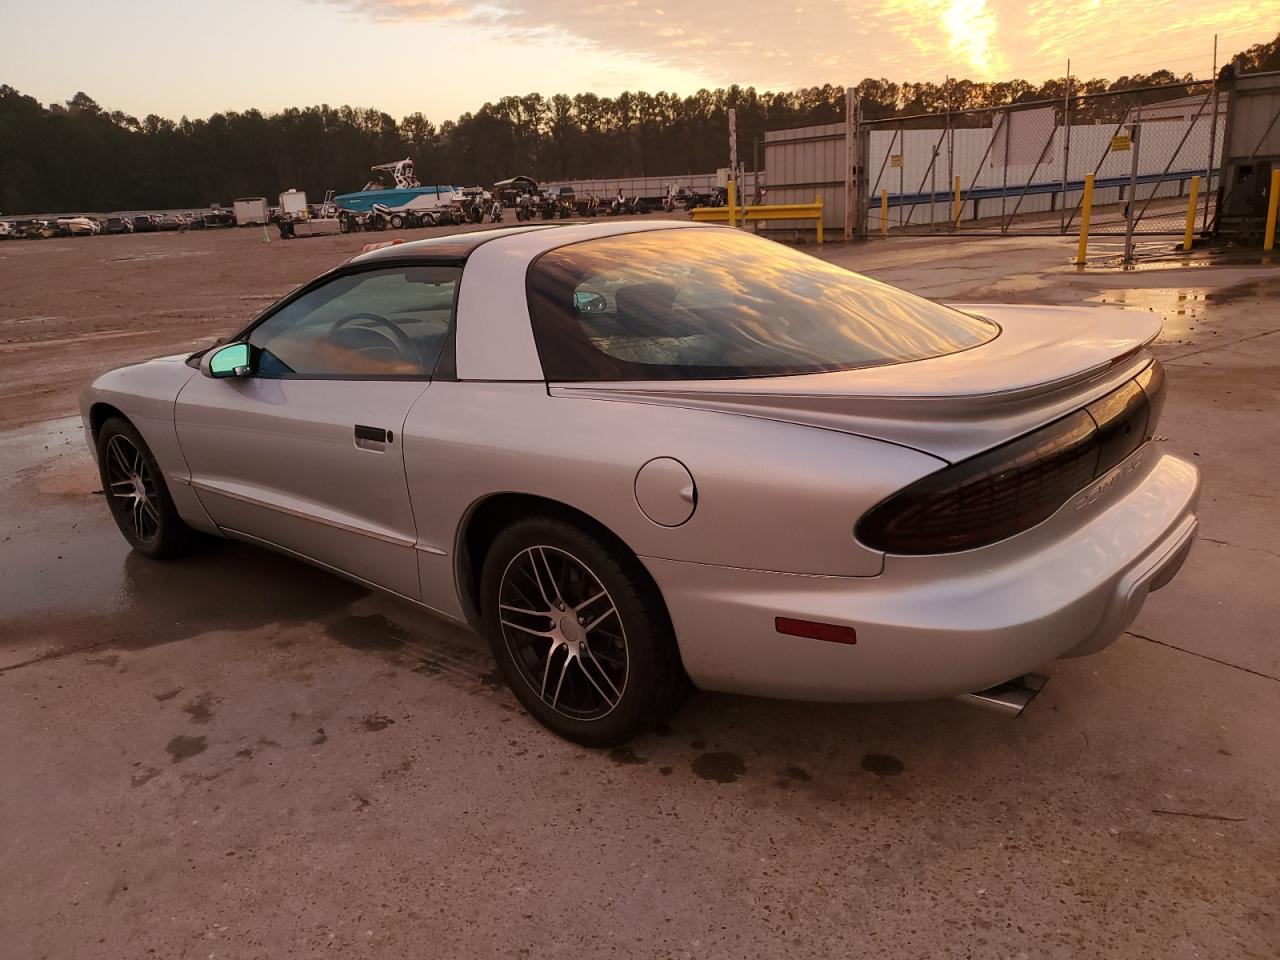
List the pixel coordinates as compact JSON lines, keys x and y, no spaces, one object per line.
{"x":1152,"y":382}
{"x":1013,"y":487}
{"x":1121,"y":417}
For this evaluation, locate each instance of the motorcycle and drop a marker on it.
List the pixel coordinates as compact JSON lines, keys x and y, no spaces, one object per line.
{"x":627,"y":206}
{"x":527,"y":207}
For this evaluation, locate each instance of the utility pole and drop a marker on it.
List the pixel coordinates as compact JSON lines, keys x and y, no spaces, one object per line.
{"x":850,"y":152}
{"x":733,"y":144}
{"x":1213,"y":136}
{"x":1135,"y":145}
{"x":951,"y":154}
{"x":1066,"y":147}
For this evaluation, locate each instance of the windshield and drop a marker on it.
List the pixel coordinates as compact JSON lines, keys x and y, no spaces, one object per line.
{"x":717,"y":303}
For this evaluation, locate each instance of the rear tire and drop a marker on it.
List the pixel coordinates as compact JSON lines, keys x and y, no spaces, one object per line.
{"x":580,"y":632}
{"x":136,"y":493}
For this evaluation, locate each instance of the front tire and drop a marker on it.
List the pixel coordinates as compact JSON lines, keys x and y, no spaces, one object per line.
{"x":579,"y":632}
{"x":136,"y":493}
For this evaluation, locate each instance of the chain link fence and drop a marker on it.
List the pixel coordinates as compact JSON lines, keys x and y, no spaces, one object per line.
{"x":1016,"y":170}
{"x":1021,"y":169}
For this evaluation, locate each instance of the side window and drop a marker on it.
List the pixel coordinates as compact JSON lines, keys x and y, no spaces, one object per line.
{"x":380,"y":323}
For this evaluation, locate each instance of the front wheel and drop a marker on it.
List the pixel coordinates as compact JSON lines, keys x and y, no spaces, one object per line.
{"x":579,"y":632}
{"x":136,"y":492}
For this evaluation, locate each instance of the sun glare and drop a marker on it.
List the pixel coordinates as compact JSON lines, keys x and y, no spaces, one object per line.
{"x":970,"y":26}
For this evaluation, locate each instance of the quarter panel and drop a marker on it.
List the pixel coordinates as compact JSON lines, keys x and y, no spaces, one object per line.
{"x":771,"y":496}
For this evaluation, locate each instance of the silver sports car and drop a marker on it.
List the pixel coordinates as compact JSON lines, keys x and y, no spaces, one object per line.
{"x":639,"y":455}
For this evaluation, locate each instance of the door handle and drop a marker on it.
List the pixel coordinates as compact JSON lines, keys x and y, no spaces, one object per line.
{"x":372,"y":434}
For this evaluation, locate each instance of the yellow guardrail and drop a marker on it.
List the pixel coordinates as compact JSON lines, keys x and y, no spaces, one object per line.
{"x":713,"y":214}
{"x":762,"y":212}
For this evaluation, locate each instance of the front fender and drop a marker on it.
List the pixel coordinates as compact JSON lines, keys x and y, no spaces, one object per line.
{"x":145,"y":394}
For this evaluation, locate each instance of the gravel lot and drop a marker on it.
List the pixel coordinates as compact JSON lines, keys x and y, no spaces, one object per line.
{"x":236,"y":755}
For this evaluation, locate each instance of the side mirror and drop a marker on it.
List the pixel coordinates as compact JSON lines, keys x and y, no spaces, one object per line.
{"x":232,"y":360}
{"x":587,"y":302}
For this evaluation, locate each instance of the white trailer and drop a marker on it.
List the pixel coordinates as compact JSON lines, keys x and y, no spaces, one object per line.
{"x":250,"y":211}
{"x":296,"y":219}
{"x":293,"y":204}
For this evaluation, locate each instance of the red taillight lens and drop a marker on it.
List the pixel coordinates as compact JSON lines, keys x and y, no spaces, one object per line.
{"x":1014,"y":487}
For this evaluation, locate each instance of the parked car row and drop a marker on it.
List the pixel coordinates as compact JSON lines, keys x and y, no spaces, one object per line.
{"x":43,"y":228}
{"x":40,"y":229}
{"x":473,"y":205}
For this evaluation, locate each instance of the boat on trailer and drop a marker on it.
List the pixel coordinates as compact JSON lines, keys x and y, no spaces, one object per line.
{"x":396,"y":190}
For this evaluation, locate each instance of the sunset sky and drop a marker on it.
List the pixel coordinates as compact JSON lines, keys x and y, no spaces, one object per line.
{"x":444,"y":57}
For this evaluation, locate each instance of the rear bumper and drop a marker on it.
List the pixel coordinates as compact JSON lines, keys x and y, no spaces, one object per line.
{"x":944,"y":625}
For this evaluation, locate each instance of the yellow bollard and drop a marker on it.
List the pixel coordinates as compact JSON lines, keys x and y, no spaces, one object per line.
{"x":1086,"y":209}
{"x":959,"y":204}
{"x":817,"y":201}
{"x":733,"y":218}
{"x":1191,"y":212}
{"x":884,"y":213}
{"x":1269,"y":236}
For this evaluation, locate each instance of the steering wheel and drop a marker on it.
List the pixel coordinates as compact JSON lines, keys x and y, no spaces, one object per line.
{"x":401,"y":339}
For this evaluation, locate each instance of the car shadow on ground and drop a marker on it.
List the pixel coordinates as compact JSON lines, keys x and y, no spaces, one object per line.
{"x":816,"y":750}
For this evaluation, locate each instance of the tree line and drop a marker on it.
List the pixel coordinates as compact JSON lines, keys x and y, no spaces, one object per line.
{"x":82,"y":156}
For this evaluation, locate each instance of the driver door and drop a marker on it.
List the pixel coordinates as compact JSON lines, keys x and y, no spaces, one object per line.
{"x":303,"y":451}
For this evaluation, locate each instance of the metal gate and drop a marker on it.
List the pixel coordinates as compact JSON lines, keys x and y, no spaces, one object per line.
{"x":1022,"y":169}
{"x":1016,"y":170}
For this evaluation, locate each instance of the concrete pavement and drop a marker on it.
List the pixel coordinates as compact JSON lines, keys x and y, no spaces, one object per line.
{"x":236,"y":755}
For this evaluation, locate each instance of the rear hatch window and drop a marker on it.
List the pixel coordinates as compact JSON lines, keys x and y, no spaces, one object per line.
{"x":713,"y":303}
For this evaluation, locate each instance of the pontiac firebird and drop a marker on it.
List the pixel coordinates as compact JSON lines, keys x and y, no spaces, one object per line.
{"x":639,"y":455}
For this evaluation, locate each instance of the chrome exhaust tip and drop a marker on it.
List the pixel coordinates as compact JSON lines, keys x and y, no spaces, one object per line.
{"x":1009,"y":698}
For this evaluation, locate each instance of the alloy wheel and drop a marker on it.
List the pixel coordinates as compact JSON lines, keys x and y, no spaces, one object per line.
{"x":132,"y":488}
{"x":564,"y":633}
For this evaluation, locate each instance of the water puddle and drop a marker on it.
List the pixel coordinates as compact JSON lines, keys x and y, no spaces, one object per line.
{"x":1181,"y":309}
{"x":1108,"y":256}
{"x":158,"y":255}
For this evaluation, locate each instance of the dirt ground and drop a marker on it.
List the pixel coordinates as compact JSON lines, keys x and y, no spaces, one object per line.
{"x":138,"y":295}
{"x":236,"y":755}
